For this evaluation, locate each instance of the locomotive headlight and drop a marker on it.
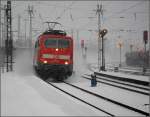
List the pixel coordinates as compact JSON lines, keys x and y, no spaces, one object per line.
{"x":66,"y":62}
{"x":56,"y":49}
{"x":45,"y":62}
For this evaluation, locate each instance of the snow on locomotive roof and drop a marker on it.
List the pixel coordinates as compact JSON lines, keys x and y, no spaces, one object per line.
{"x":55,"y":32}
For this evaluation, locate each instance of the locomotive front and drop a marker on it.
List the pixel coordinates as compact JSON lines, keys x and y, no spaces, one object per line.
{"x":54,"y":54}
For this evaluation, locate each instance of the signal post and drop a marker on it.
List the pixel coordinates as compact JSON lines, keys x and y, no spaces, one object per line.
{"x":102,"y":33}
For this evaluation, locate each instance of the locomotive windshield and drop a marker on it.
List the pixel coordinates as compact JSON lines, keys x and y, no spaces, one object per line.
{"x":56,"y":43}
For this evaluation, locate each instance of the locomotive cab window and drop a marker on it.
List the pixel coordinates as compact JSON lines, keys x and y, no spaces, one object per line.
{"x":56,"y":43}
{"x":51,"y":43}
{"x":63,"y":43}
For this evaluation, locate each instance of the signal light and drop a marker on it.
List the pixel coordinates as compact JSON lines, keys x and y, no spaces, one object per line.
{"x":103,"y":32}
{"x":145,"y":36}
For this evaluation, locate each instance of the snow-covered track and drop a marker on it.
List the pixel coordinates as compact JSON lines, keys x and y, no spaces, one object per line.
{"x":111,"y":83}
{"x":107,"y":100}
{"x":121,"y":82}
{"x":79,"y":99}
{"x":135,"y":71}
{"x":139,"y":82}
{"x":110,"y":100}
{"x":130,"y":70}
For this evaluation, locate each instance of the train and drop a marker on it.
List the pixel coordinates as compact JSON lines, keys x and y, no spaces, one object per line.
{"x":53,"y":54}
{"x":137,"y":58}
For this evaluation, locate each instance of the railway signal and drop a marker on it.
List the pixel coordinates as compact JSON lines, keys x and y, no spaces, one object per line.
{"x":102,"y":33}
{"x":145,"y":39}
{"x":145,"y":36}
{"x":119,"y":45}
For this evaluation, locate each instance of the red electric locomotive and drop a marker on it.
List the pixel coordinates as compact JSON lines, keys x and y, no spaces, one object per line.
{"x":54,"y":53}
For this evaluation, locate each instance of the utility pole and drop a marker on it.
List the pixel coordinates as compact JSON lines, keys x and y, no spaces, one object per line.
{"x":9,"y":40}
{"x":19,"y":27}
{"x":120,"y":44}
{"x":25,"y":31}
{"x":0,"y":30}
{"x":5,"y":25}
{"x":99,"y":11}
{"x":90,"y":35}
{"x":0,"y":38}
{"x":3,"y":35}
{"x":103,"y":62}
{"x":77,"y":42}
{"x":2,"y":23}
{"x":30,"y":11}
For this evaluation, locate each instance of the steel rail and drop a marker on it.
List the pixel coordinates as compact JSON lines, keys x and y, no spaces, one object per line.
{"x":80,"y":99}
{"x":147,"y":89}
{"x":139,"y":82}
{"x":141,"y":92}
{"x":110,"y":100}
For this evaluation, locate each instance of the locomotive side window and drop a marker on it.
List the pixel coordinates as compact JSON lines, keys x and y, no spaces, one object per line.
{"x":56,"y":43}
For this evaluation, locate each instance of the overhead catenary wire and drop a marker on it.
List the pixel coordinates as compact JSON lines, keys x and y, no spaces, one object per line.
{"x":73,"y":7}
{"x":66,"y":8}
{"x":124,"y":10}
{"x":114,"y":15}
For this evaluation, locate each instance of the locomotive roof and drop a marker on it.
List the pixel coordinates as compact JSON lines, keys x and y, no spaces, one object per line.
{"x":55,"y":32}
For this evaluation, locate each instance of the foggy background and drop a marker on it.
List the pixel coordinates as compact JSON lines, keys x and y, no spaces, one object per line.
{"x":124,"y":20}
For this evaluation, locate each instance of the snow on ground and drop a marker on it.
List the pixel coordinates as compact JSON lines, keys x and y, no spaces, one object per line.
{"x":130,"y":76}
{"x":123,"y":96}
{"x":103,"y":104}
{"x":30,"y":96}
{"x":24,"y":94}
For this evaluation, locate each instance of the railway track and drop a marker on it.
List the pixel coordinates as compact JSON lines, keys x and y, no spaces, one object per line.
{"x":128,"y":70}
{"x":128,"y":80}
{"x":102,"y":110}
{"x":137,"y":71}
{"x":101,"y":99}
{"x":121,"y":82}
{"x":125,"y":86}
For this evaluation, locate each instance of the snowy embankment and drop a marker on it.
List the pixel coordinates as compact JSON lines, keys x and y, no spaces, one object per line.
{"x":24,"y":94}
{"x":129,"y":76}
